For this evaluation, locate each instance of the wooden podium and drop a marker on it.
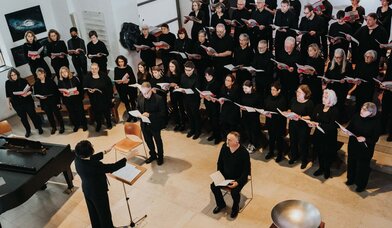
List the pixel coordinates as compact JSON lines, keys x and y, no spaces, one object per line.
{"x":129,"y":174}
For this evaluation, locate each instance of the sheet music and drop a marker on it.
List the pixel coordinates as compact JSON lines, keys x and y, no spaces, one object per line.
{"x":137,"y":114}
{"x":2,"y":181}
{"x":128,"y":172}
{"x":219,"y":179}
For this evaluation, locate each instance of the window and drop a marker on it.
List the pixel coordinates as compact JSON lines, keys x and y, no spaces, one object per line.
{"x":2,"y":63}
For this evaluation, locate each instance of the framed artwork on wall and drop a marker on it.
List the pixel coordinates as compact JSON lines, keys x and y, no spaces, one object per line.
{"x":18,"y":52}
{"x":23,"y":20}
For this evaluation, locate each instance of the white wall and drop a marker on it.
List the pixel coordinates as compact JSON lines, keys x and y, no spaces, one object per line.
{"x":55,"y":16}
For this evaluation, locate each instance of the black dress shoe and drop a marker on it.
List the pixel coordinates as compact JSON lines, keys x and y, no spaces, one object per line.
{"x":62,"y":130}
{"x":40,"y":131}
{"x":217,"y":141}
{"x":210,"y":138}
{"x":150,"y":159}
{"x":278,"y":159}
{"x":389,"y":139}
{"x":196,"y":136}
{"x":318,"y":173}
{"x":218,"y":209}
{"x":303,"y":165}
{"x":98,"y":128}
{"x":360,"y":189}
{"x":348,"y":183}
{"x":234,"y":212}
{"x":269,"y":156}
{"x":292,"y":161}
{"x":27,"y":134}
{"x":190,"y":134}
{"x":327,"y":175}
{"x":85,"y":127}
{"x":177,"y":127}
{"x":109,"y":126}
{"x":160,"y":161}
{"x":53,"y":131}
{"x":75,"y":129}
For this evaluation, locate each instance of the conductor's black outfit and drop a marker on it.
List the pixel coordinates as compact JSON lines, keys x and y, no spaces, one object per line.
{"x":234,"y":166}
{"x":92,"y":172}
{"x":23,"y":105}
{"x":152,"y":131}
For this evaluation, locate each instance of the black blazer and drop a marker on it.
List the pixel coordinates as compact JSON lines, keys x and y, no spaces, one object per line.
{"x":93,"y":173}
{"x":155,"y":107}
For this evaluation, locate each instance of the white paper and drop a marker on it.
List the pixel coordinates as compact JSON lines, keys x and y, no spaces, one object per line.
{"x":247,"y":108}
{"x":25,"y":90}
{"x":219,"y":179}
{"x":205,"y":93}
{"x":93,"y":89}
{"x":128,"y":172}
{"x":136,"y":85}
{"x":137,"y":114}
{"x":208,"y":49}
{"x":182,"y":54}
{"x":264,"y":112}
{"x":348,"y":79}
{"x":327,"y":80}
{"x":2,"y":181}
{"x":288,"y":115}
{"x":250,"y":69}
{"x":352,"y":38}
{"x":182,"y":90}
{"x":164,"y":85}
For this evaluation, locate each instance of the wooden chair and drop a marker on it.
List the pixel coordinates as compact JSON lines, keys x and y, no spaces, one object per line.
{"x":248,"y":199}
{"x":127,"y":144}
{"x":5,"y":128}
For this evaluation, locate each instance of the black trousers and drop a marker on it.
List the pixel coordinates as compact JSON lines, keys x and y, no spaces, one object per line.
{"x":252,"y":128}
{"x":52,"y":111}
{"x":128,"y":97}
{"x":102,"y":112}
{"x":76,"y":113}
{"x":275,"y":137}
{"x":80,"y":66}
{"x":325,"y":146}
{"x":386,"y":114}
{"x":178,"y":112}
{"x":25,"y":110}
{"x":151,"y":135}
{"x":193,"y":112}
{"x":358,"y":164}
{"x":99,"y":211}
{"x":212,"y":110}
{"x":299,"y":140}
{"x":235,"y":194}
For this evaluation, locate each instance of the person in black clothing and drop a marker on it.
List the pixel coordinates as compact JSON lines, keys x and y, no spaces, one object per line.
{"x":338,"y":69}
{"x":314,"y":27}
{"x":182,"y":44}
{"x":302,"y":107}
{"x":92,"y":172}
{"x":57,"y":51}
{"x":229,"y":117}
{"x":72,"y":96}
{"x":201,"y":20}
{"x":212,"y":107}
{"x":367,"y":36}
{"x":204,"y":60}
{"x":325,"y":143}
{"x":170,"y":39}
{"x":190,"y":80}
{"x":365,"y":126}
{"x":262,"y":61}
{"x":295,"y":6}
{"x":234,"y":164}
{"x":100,"y":92}
{"x":174,"y":78}
{"x":48,"y":94}
{"x":271,"y":5}
{"x":386,"y":104}
{"x":219,"y":16}
{"x":366,"y":70}
{"x":34,"y":52}
{"x":23,"y":103}
{"x":77,"y":49}
{"x":222,"y":43}
{"x":123,"y":77}
{"x":309,"y":77}
{"x":384,"y":14}
{"x":335,"y":31}
{"x":143,"y":74}
{"x":160,"y":89}
{"x":240,"y":13}
{"x":276,"y":124}
{"x":242,"y":56}
{"x":251,"y":120}
{"x":289,"y":77}
{"x":286,"y":19}
{"x":147,"y":55}
{"x":356,"y":24}
{"x":264,"y":31}
{"x":151,"y":106}
{"x":97,"y":52}
{"x":326,"y":15}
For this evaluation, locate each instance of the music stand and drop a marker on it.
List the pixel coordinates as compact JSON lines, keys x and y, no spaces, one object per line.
{"x":130,"y":181}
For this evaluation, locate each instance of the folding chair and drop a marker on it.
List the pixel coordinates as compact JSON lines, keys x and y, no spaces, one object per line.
{"x":5,"y":128}
{"x":248,"y":199}
{"x":127,"y":144}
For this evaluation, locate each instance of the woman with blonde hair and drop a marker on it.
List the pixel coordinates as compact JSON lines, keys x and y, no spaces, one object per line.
{"x":72,"y":97}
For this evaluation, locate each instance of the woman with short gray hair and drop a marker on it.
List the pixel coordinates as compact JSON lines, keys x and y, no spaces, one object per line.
{"x":366,"y":129}
{"x":325,"y":143}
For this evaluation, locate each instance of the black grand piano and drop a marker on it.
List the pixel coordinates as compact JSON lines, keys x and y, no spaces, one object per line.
{"x":27,"y":165}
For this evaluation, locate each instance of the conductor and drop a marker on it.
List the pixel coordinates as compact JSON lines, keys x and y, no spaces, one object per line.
{"x":94,"y":183}
{"x":233,"y":163}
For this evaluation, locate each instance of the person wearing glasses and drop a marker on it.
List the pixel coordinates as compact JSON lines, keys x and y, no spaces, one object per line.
{"x":365,"y":126}
{"x":234,"y":164}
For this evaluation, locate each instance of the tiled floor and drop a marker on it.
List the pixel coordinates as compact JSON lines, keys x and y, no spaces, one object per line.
{"x":177,"y":194}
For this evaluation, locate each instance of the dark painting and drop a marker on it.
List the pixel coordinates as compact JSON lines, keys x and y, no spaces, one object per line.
{"x":18,"y":52}
{"x":27,"y":19}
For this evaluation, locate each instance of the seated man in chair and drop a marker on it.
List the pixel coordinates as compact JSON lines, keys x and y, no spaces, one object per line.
{"x":234,"y":164}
